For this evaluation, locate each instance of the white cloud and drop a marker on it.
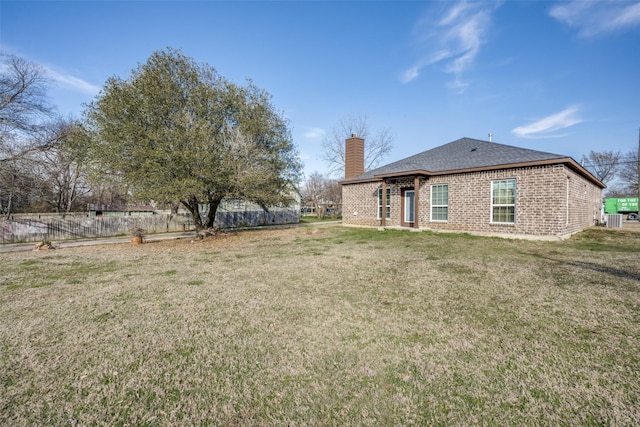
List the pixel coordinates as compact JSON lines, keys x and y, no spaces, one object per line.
{"x":314,"y":133}
{"x":453,"y":40}
{"x":456,"y":11}
{"x":73,"y":82}
{"x":439,"y":56}
{"x":457,"y":86}
{"x":546,"y":127}
{"x":410,"y":74}
{"x":592,"y":18}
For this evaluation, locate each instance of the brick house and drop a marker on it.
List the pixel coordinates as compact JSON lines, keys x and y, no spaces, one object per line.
{"x":473,"y":186}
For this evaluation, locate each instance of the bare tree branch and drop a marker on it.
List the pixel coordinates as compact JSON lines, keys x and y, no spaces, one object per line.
{"x":378,"y":144}
{"x":24,"y":107}
{"x":65,"y":167}
{"x":628,"y":172}
{"x":322,"y":193}
{"x":603,"y":164}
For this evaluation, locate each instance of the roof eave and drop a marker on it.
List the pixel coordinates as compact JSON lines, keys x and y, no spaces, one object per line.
{"x":383,"y":176}
{"x":564,"y":160}
{"x":359,"y":181}
{"x":584,"y":172}
{"x":403,"y":174}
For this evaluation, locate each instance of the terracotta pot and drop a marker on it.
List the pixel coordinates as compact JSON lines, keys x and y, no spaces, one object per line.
{"x":136,"y":240}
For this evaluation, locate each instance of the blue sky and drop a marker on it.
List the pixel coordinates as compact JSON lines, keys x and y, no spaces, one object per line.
{"x":562,"y":77}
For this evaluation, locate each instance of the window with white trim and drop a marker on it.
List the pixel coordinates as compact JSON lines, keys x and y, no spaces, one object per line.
{"x":503,"y":201}
{"x":388,"y":205}
{"x":440,"y":202}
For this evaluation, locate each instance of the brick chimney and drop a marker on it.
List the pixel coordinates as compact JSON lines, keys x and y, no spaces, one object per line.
{"x":353,"y":156}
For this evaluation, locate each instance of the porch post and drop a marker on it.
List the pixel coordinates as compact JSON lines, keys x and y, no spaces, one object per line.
{"x":416,"y":200}
{"x":383,"y":202}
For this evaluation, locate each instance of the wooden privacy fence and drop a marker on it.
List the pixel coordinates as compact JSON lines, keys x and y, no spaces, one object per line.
{"x":255,"y":218}
{"x":77,"y":227}
{"x":69,"y":228}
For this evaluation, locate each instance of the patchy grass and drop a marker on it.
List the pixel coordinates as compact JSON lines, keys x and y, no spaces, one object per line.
{"x":325,"y":325}
{"x":310,"y":219}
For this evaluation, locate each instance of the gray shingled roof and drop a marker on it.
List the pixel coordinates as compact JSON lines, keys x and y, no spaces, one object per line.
{"x":465,"y":153}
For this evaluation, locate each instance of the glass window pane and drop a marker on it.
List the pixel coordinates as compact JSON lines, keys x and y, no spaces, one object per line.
{"x":439,"y":202}
{"x":388,"y":204}
{"x":503,"y":214}
{"x":409,"y":206}
{"x":440,"y":213}
{"x":503,"y":200}
{"x":504,"y":192}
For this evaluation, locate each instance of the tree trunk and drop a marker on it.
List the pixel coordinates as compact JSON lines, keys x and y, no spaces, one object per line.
{"x":9,"y":205}
{"x":193,"y":206}
{"x":213,"y":209}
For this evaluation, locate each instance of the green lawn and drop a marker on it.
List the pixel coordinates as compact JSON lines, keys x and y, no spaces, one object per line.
{"x":308,"y":219}
{"x":324,"y":325}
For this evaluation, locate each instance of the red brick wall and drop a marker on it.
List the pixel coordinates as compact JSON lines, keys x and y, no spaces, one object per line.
{"x":550,"y":200}
{"x":354,"y":157}
{"x":360,"y":204}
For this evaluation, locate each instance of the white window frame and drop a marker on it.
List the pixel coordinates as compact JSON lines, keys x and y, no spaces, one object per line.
{"x":503,"y":205}
{"x":388,"y":207}
{"x":434,"y":205}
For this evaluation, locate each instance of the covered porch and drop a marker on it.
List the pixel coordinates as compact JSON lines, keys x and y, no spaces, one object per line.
{"x":409,"y":200}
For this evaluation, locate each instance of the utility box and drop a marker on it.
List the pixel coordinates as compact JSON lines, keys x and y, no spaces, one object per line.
{"x":613,"y":220}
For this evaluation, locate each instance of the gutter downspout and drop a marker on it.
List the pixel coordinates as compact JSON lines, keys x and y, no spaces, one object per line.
{"x":416,"y":200}
{"x":566,"y":224}
{"x":383,"y":203}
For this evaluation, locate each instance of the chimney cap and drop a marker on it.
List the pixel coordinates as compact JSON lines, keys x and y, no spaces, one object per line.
{"x":354,"y":135}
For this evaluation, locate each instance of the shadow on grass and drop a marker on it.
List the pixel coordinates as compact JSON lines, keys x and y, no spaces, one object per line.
{"x":616,"y":272}
{"x":622,"y":274}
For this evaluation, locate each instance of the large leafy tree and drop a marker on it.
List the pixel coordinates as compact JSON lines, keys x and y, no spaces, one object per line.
{"x":176,"y":130}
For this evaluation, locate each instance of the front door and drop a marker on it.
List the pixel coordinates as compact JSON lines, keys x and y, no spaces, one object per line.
{"x":408,"y":205}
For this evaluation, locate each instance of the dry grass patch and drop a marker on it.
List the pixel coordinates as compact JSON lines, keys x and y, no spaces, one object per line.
{"x":324,"y":325}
